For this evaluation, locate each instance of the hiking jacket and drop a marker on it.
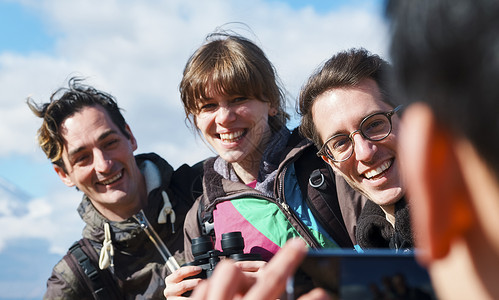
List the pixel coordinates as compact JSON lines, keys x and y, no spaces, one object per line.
{"x":374,"y":231}
{"x":297,"y":161}
{"x":139,"y":268}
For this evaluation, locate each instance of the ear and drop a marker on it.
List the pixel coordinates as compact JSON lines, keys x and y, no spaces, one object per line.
{"x":132,"y":139}
{"x":64,"y":176}
{"x":332,"y":164}
{"x":440,"y":206}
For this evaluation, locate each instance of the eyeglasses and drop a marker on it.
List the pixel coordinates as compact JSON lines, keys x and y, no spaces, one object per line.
{"x":375,"y":127}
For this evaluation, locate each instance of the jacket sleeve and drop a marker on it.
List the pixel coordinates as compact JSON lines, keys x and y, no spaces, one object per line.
{"x":63,"y":284}
{"x":191,"y":230}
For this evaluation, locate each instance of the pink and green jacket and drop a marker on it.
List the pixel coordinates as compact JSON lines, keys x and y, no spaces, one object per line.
{"x":265,"y":219}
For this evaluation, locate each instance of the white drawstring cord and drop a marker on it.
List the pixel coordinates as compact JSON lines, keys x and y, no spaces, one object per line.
{"x":167,"y":210}
{"x":106,"y":256}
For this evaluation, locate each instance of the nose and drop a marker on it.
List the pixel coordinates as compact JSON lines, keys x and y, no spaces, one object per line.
{"x":225,"y":115}
{"x":102,"y":163}
{"x":364,"y":149}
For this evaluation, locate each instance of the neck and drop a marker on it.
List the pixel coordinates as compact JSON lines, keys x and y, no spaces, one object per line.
{"x":246,"y":174}
{"x":389,"y":212}
{"x":247,"y":169}
{"x":472,"y":266}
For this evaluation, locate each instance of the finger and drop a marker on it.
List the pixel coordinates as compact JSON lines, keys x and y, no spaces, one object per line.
{"x":182,"y":273}
{"x":316,"y":294}
{"x":201,"y":291}
{"x":271,"y":280}
{"x":251,"y":265}
{"x":177,"y":289}
{"x":178,"y":298}
{"x":227,"y":282}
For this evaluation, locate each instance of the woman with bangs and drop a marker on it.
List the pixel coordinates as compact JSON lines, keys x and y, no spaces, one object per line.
{"x":257,"y":184}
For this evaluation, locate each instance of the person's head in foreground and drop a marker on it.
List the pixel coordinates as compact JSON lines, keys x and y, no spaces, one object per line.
{"x":230,"y":92}
{"x":348,"y":112}
{"x":446,"y":58}
{"x":86,"y":138}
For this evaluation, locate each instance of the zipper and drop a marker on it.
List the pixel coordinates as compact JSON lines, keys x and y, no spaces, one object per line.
{"x":170,"y":261}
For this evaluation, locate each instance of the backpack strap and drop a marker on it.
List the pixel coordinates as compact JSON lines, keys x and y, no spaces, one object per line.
{"x":329,"y":194}
{"x":205,"y":220}
{"x":187,"y":181}
{"x":82,"y":259}
{"x":318,"y":185}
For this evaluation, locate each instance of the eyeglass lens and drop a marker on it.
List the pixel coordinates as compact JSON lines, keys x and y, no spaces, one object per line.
{"x":374,"y":128}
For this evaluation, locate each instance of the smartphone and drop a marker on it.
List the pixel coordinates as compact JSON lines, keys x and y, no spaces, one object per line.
{"x":374,"y":274}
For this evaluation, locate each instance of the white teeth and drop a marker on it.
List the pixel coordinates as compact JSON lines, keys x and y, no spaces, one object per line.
{"x":111,"y":180}
{"x":379,"y":170}
{"x":231,"y":136}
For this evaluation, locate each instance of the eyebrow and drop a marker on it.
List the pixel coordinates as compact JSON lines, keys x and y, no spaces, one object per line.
{"x":101,"y":137}
{"x":358,"y":125}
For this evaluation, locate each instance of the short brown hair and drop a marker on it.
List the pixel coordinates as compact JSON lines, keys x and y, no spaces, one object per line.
{"x":235,"y":66}
{"x":344,"y":69}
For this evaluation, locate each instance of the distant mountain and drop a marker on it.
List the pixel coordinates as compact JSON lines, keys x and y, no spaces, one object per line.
{"x":12,"y":199}
{"x":25,"y":262}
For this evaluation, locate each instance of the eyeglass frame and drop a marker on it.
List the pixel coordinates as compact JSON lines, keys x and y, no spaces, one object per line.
{"x":388,"y":115}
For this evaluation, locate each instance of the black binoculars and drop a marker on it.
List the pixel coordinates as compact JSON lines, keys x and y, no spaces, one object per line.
{"x":207,"y":258}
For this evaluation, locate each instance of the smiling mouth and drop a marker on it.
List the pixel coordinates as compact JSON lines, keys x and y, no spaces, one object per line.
{"x":232,"y":137}
{"x":378,"y":171}
{"x":112,"y":179}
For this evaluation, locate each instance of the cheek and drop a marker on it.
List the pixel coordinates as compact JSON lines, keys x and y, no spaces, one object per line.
{"x":390,"y":143}
{"x":258,"y":113}
{"x":202,"y":124}
{"x":394,"y":135}
{"x":81,"y":176}
{"x":343,"y":168}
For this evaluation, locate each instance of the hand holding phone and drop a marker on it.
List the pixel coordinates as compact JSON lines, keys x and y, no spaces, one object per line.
{"x":346,"y":274}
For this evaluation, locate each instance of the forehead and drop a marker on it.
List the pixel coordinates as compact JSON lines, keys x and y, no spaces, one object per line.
{"x":341,"y":110}
{"x":85,"y":126}
{"x":212,"y":91}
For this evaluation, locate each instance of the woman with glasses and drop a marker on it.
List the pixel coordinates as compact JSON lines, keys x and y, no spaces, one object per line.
{"x":255,"y":184}
{"x":347,"y":111}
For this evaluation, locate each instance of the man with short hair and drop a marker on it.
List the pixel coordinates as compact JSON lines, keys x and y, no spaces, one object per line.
{"x":446,"y":59}
{"x":348,"y":111}
{"x":133,"y":206}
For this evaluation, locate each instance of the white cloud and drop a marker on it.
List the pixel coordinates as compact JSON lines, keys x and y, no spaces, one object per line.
{"x":52,"y":219}
{"x":136,"y":50}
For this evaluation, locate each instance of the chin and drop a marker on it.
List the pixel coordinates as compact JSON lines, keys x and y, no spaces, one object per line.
{"x":386,"y":197}
{"x":383,"y":202}
{"x":232,"y":156}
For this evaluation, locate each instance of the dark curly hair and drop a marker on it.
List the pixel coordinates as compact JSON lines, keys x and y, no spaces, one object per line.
{"x":64,"y":103}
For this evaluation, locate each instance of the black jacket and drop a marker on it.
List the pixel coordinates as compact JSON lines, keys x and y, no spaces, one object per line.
{"x":139,"y":269}
{"x":374,"y":231}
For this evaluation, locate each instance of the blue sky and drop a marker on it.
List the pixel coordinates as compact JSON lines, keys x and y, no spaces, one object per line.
{"x":136,"y":51}
{"x":27,"y":35}
{"x":25,"y":31}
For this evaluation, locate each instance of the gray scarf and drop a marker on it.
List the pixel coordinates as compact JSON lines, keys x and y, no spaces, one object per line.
{"x":268,"y":166}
